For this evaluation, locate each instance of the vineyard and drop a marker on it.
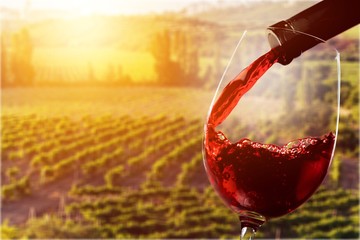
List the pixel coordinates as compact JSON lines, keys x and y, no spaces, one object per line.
{"x":125,"y":175}
{"x":102,"y":120}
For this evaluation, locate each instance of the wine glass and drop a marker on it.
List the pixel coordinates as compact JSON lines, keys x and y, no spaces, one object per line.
{"x":287,"y":125}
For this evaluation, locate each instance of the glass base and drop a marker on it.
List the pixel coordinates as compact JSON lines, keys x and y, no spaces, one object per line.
{"x":247,"y":233}
{"x":250,"y":222}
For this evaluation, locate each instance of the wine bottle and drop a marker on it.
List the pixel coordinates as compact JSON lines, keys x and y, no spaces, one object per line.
{"x":324,"y":20}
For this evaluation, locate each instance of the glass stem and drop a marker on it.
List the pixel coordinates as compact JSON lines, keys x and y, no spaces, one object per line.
{"x":247,"y":233}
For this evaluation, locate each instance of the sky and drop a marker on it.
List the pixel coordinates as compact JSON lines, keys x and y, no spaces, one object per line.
{"x":87,"y":7}
{"x":101,"y":6}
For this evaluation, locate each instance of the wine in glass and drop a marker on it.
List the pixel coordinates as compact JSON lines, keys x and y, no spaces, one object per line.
{"x":292,"y":108}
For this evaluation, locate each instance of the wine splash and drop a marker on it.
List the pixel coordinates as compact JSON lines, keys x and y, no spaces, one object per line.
{"x":252,"y":177}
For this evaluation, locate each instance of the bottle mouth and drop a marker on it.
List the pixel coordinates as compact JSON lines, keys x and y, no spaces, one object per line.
{"x":291,"y":42}
{"x":273,"y":39}
{"x":280,"y":32}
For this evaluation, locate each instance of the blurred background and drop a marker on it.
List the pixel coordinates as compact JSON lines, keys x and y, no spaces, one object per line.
{"x":102,"y":112}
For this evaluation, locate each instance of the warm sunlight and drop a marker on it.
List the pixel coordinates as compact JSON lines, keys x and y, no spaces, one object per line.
{"x":108,"y":114}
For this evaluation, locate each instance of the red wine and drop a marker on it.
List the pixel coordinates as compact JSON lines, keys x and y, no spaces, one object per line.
{"x":242,"y":83}
{"x":263,"y":178}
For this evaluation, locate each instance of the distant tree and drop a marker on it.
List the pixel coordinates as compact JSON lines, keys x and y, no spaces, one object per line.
{"x":166,"y":69}
{"x":176,"y":61}
{"x":180,"y":48}
{"x":21,"y":58}
{"x":218,"y":39}
{"x":193,"y":64}
{"x":314,"y":84}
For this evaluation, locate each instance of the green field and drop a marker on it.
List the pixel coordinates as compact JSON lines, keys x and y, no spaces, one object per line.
{"x":127,"y":163}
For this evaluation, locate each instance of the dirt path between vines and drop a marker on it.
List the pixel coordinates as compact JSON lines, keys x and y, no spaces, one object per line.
{"x":43,"y":199}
